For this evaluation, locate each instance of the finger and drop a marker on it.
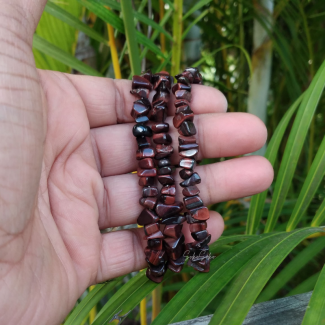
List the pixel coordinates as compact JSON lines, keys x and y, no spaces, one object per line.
{"x":222,"y":181}
{"x":218,"y":134}
{"x":109,"y":101}
{"x":122,"y":251}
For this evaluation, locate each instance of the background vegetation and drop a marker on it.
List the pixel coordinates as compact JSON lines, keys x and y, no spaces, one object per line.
{"x":267,"y":57}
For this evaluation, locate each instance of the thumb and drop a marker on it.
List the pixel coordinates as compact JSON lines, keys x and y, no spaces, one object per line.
{"x":22,"y":130}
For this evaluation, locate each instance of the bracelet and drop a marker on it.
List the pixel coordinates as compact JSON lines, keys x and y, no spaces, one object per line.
{"x":198,"y":250}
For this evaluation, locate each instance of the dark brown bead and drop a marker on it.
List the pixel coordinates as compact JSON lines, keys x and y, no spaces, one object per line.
{"x":200,"y":243}
{"x":143,"y":142}
{"x":173,"y":268}
{"x":162,"y":77}
{"x":146,"y":181}
{"x":181,"y":102}
{"x":140,"y":130}
{"x":187,"y":163}
{"x":183,"y":109}
{"x":185,"y":140}
{"x":181,"y":86}
{"x":193,"y":202}
{"x":187,"y":128}
{"x":201,"y":213}
{"x":155,"y":235}
{"x":181,"y":117}
{"x":166,"y":170}
{"x":140,"y":108}
{"x":162,"y":138}
{"x":168,"y":190}
{"x":185,"y":173}
{"x":190,"y":146}
{"x":183,"y":80}
{"x":187,"y":74}
{"x":155,"y":244}
{"x":191,"y":191}
{"x":200,"y":252}
{"x":163,"y":151}
{"x":149,"y":202}
{"x":146,"y":163}
{"x":201,"y":266}
{"x":199,"y":226}
{"x":147,"y":217}
{"x":140,"y":82}
{"x":152,"y":277}
{"x":148,"y":75}
{"x":158,"y":114}
{"x":157,"y":270}
{"x":176,"y":265}
{"x":161,"y":96}
{"x":174,"y":231}
{"x":140,"y":93}
{"x":183,"y":94}
{"x":167,"y":199}
{"x":165,"y":211}
{"x":160,"y":127}
{"x":173,"y":220}
{"x":193,"y":180}
{"x":166,"y":180}
{"x":150,"y":191}
{"x":151,"y":229}
{"x":189,"y":153}
{"x":154,"y":257}
{"x":152,"y":172}
{"x":142,"y":119}
{"x":200,"y":235}
{"x":174,"y":247}
{"x":164,"y":162}
{"x":145,"y":153}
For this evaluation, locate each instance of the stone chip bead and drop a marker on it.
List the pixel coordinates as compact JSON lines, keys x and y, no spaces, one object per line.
{"x":148,"y":202}
{"x":151,"y":229}
{"x":141,"y":107}
{"x":193,"y":202}
{"x":147,"y":217}
{"x":163,"y":151}
{"x":173,"y":220}
{"x":189,"y":146}
{"x":187,"y":163}
{"x":192,"y":153}
{"x":183,"y":94}
{"x":185,"y":140}
{"x":192,"y":180}
{"x":145,"y":153}
{"x":140,"y":92}
{"x":160,"y":127}
{"x":146,"y":181}
{"x":181,"y":86}
{"x":141,"y":82}
{"x":199,"y":226}
{"x":150,"y":191}
{"x":154,"y":257}
{"x":158,"y":270}
{"x":158,"y":113}
{"x":146,"y":163}
{"x":168,"y":190}
{"x":200,"y":235}
{"x":155,"y":244}
{"x":185,"y":173}
{"x":164,"y":162}
{"x":152,"y":172}
{"x":152,"y":277}
{"x":174,"y":247}
{"x":166,"y":180}
{"x":140,"y":130}
{"x":176,"y":265}
{"x":201,"y":213}
{"x":190,"y":191}
{"x":162,"y":138}
{"x":183,"y":115}
{"x":187,"y":128}
{"x":173,"y":230}
{"x":167,"y":170}
{"x":164,"y":210}
{"x":143,"y":142}
{"x":167,"y":199}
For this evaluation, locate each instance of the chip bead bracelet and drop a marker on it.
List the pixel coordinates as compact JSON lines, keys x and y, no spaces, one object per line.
{"x":198,"y":250}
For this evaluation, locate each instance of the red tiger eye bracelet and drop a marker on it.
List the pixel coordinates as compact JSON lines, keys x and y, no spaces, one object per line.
{"x":197,"y":214}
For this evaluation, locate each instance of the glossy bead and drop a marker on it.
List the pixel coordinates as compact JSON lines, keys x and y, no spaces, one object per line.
{"x":174,"y":230}
{"x":176,"y":265}
{"x":183,"y":94}
{"x":183,"y":80}
{"x":142,"y":119}
{"x":183,"y":109}
{"x":152,"y":172}
{"x":166,"y":170}
{"x":201,"y":266}
{"x":167,"y":199}
{"x":146,"y":181}
{"x":166,"y":180}
{"x":174,"y":247}
{"x":158,"y":270}
{"x":145,"y":153}
{"x":141,"y":82}
{"x":200,"y":235}
{"x":190,"y":146}
{"x":147,"y":217}
{"x":193,"y":180}
{"x":200,"y":243}
{"x":154,"y":257}
{"x":140,"y":108}
{"x":185,"y":140}
{"x":201,"y":213}
{"x":193,"y":202}
{"x":165,"y":211}
{"x":187,"y":163}
{"x":162,"y":77}
{"x":173,"y":268}
{"x":152,"y":277}
{"x":185,"y":173}
{"x":160,"y":127}
{"x":155,"y":244}
{"x":182,"y":117}
{"x":201,"y":252}
{"x":140,"y":130}
{"x":189,"y":153}
{"x":163,"y":151}
{"x":155,"y":235}
{"x":164,"y":162}
{"x":149,"y":202}
{"x":190,"y":219}
{"x":158,"y":114}
{"x":190,"y":191}
{"x":187,"y":74}
{"x":173,"y":220}
{"x":161,"y":96}
{"x":187,"y":128}
{"x":181,"y":86}
{"x":168,"y":190}
{"x":143,"y":142}
{"x":150,"y":191}
{"x":162,"y":138}
{"x":151,"y":229}
{"x":140,"y":93}
{"x":148,"y":75}
{"x":199,"y":226}
{"x":181,"y":102}
{"x":146,"y":163}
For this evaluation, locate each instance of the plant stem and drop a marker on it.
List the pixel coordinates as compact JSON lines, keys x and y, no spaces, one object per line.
{"x":177,"y":35}
{"x":162,"y":36}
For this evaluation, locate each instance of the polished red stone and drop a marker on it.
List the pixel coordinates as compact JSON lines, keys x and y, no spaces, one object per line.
{"x":179,"y":118}
{"x":158,"y":113}
{"x":168,"y":190}
{"x":183,"y":80}
{"x":147,"y":217}
{"x":200,"y":243}
{"x":142,"y":119}
{"x":162,"y":138}
{"x":149,"y":202}
{"x":183,"y":94}
{"x":189,"y":153}
{"x":185,"y":173}
{"x":167,"y":170}
{"x":143,"y":142}
{"x":174,"y":247}
{"x":181,"y":86}
{"x":165,"y":211}
{"x":201,"y":213}
{"x":162,"y":78}
{"x":187,"y":163}
{"x":141,"y":82}
{"x":166,"y":180}
{"x":185,"y":140}
{"x":145,"y":153}
{"x":150,"y":191}
{"x":155,"y":244}
{"x":190,"y":146}
{"x":151,"y":229}
{"x":173,"y":268}
{"x":167,"y":199}
{"x":157,"y":270}
{"x":140,"y":108}
{"x":148,"y":75}
{"x":193,"y":202}
{"x":156,"y":235}
{"x":199,"y":235}
{"x":163,"y":151}
{"x":161,"y":96}
{"x":154,"y":257}
{"x":187,"y":128}
{"x":152,"y":277}
{"x":141,"y":130}
{"x":160,"y":127}
{"x":165,"y":162}
{"x":176,"y":265}
{"x":140,"y":93}
{"x":201,"y":266}
{"x":173,"y":230}
{"x":152,"y":172}
{"x":173,"y":220}
{"x":181,"y":102}
{"x":190,"y":191}
{"x":193,"y":180}
{"x":199,"y":226}
{"x":146,"y":181}
{"x":146,"y":163}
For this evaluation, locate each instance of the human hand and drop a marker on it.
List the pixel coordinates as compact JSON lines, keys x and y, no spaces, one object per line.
{"x":66,"y":153}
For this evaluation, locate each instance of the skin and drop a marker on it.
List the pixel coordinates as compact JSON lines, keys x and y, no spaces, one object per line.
{"x":66,"y":149}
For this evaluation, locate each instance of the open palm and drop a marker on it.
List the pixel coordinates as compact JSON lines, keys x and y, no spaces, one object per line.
{"x":66,"y":155}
